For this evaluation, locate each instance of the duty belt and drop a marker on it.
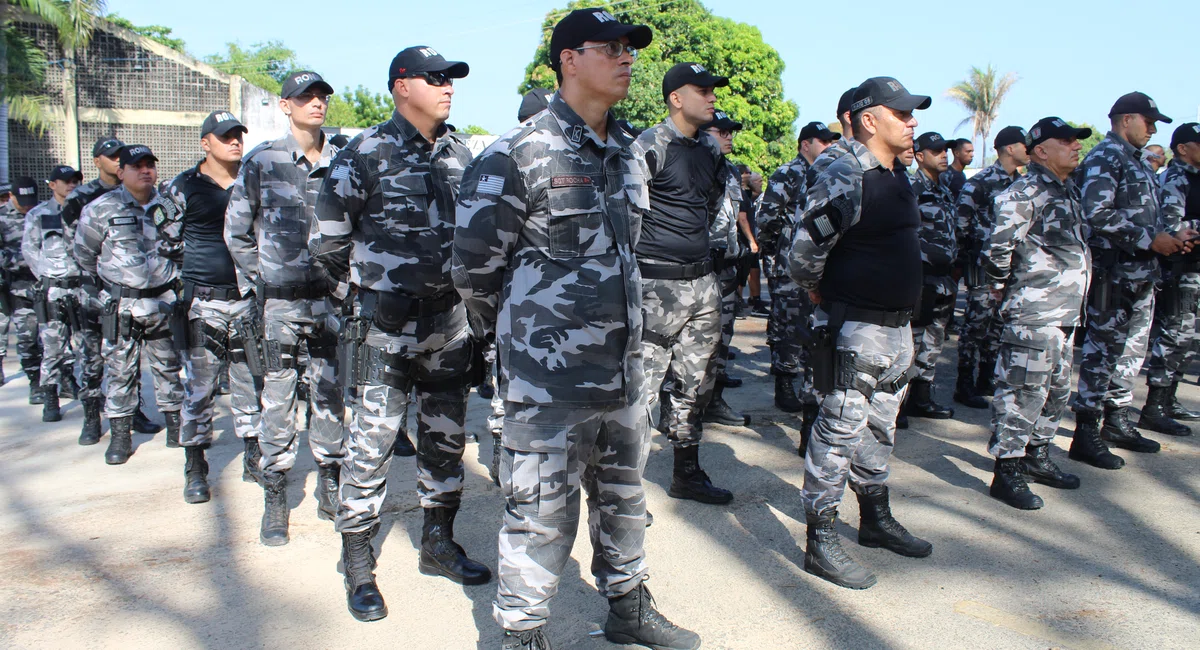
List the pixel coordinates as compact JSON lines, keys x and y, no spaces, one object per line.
{"x":293,"y":292}
{"x":676,"y":271}
{"x":61,"y":283}
{"x":201,"y":292}
{"x":880,"y":317}
{"x":118,"y":291}
{"x":416,"y":307}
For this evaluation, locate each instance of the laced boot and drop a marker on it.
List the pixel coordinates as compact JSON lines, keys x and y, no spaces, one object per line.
{"x":275,"y":509}
{"x":534,"y":639}
{"x":403,"y":446}
{"x":877,"y":528}
{"x":250,"y":459}
{"x":327,"y":491}
{"x":785,"y":393}
{"x":1038,"y":466}
{"x":90,"y":434}
{"x":1088,"y":447}
{"x":808,"y":417}
{"x":142,"y":422}
{"x":195,"y":475}
{"x":173,"y":423}
{"x":1009,"y":485}
{"x":964,"y":390}
{"x":921,"y":405}
{"x":50,"y":409}
{"x":1118,"y":430}
{"x":36,"y":396}
{"x":632,"y":619}
{"x":442,"y":556}
{"x":720,"y":412}
{"x":1156,"y":414}
{"x":985,"y":384}
{"x":1177,"y":410}
{"x":825,"y":557}
{"x":120,"y":441}
{"x":690,"y":482}
{"x":358,"y":564}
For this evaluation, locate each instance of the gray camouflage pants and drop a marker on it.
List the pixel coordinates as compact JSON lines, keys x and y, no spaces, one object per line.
{"x":727,"y":279}
{"x":853,"y":436}
{"x":1174,"y":336}
{"x":24,"y":323}
{"x":789,"y":305}
{"x":440,"y":351}
{"x":549,"y":454}
{"x":60,"y":346}
{"x":204,"y":369}
{"x":1114,"y":348}
{"x":122,"y":359}
{"x":1033,"y":386}
{"x":979,"y":334}
{"x":686,"y":314}
{"x":287,"y":322}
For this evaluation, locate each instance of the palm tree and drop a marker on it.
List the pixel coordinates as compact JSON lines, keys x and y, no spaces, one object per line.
{"x":981,"y":94}
{"x":23,"y":64}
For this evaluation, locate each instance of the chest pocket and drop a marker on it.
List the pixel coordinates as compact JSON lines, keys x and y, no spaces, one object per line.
{"x":406,"y":202}
{"x":52,"y":225}
{"x":576,"y":223}
{"x":283,"y":215}
{"x":125,"y":236}
{"x":1059,"y":228}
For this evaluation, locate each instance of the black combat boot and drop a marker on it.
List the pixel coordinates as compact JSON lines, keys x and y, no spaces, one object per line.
{"x":327,"y":491}
{"x":120,"y":441}
{"x":1177,"y":410}
{"x":877,"y":528}
{"x":825,"y":557}
{"x":403,"y":446}
{"x":36,"y":396}
{"x":808,"y":417}
{"x":720,"y":412}
{"x":497,"y":450}
{"x":1156,"y":415}
{"x":358,"y":564}
{"x":143,"y":424}
{"x":902,"y":416}
{"x":985,"y":384}
{"x":759,"y":308}
{"x":442,"y":556}
{"x":632,"y":619}
{"x":964,"y":390}
{"x":275,"y":509}
{"x":1009,"y":485}
{"x":90,"y":434}
{"x":195,"y":475}
{"x":250,"y":459}
{"x":534,"y":639}
{"x":1118,"y":430}
{"x":50,"y":410}
{"x":174,"y":420}
{"x":785,"y":393}
{"x":921,"y":405}
{"x":1038,"y":466}
{"x":69,"y":388}
{"x":690,"y":482}
{"x":1088,"y":447}
{"x":729,"y":381}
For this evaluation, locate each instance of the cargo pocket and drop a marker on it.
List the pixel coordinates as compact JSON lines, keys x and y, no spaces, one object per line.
{"x":537,"y":485}
{"x":1023,"y":366}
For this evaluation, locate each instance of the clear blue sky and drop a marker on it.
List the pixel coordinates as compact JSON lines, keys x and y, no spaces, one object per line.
{"x":1073,"y":58}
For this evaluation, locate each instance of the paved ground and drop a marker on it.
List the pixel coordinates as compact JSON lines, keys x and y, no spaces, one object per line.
{"x":111,"y":557}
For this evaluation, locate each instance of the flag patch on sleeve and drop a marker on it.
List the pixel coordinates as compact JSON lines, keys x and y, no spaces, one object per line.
{"x":490,"y":184}
{"x":340,"y":172}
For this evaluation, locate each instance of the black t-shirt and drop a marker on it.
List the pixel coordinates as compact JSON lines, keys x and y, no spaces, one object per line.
{"x":206,"y":258}
{"x":676,"y":228}
{"x":956,"y":181}
{"x":748,"y":208}
{"x":877,"y":262}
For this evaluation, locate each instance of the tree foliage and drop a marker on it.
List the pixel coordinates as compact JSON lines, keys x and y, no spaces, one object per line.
{"x":1091,"y":141}
{"x":684,"y":30}
{"x":981,"y":93}
{"x":474,"y":129}
{"x":358,"y":107}
{"x":262,"y":64}
{"x":156,"y":33}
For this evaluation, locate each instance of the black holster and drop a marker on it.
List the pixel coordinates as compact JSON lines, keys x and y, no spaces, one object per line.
{"x":246,"y":342}
{"x":1105,"y":291}
{"x":109,"y":320}
{"x":179,"y":324}
{"x":822,"y":358}
{"x":40,"y":307}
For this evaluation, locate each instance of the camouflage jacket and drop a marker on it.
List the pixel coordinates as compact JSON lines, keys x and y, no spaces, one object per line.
{"x":45,"y":245}
{"x":270,"y":211}
{"x":117,"y":240}
{"x":80,"y":197}
{"x":1176,"y":183}
{"x":385,"y":215}
{"x":1120,"y":200}
{"x":1038,"y":252}
{"x":12,"y":230}
{"x":939,"y":227}
{"x":548,"y":220}
{"x":975,"y":216}
{"x":839,"y":148}
{"x":953,"y":180}
{"x":782,"y":198}
{"x":723,"y":233}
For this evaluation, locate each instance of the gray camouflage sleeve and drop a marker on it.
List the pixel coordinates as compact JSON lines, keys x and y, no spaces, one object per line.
{"x":30,"y":243}
{"x":1014,"y":215}
{"x":339,"y":205}
{"x":771,"y":210}
{"x":240,"y":217}
{"x":832,"y":208}
{"x":89,"y":237}
{"x":1173,"y":198}
{"x":1103,"y":215}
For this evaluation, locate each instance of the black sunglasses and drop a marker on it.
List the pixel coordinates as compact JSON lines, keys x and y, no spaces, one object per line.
{"x":437,"y":79}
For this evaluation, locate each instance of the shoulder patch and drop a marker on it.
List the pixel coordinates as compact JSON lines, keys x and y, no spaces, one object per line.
{"x":340,"y":172}
{"x":490,"y":184}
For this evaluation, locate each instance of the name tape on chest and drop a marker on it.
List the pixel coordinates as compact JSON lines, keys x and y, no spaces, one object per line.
{"x":569,"y":180}
{"x":117,"y":222}
{"x":490,"y":184}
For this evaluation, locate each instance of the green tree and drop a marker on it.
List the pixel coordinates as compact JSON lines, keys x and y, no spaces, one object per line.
{"x":358,"y":107}
{"x":684,"y":30}
{"x":1091,"y":141}
{"x":474,"y":129}
{"x":981,"y":93}
{"x":156,"y":33}
{"x":263,"y":64}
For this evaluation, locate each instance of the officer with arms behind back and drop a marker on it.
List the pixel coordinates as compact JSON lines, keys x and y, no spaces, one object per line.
{"x":548,"y":221}
{"x":856,"y":251}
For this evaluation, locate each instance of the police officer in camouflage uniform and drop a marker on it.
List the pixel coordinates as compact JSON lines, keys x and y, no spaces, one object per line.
{"x":548,"y":222}
{"x":1038,"y":266}
{"x":221,"y":323}
{"x":1174,"y":334}
{"x":681,"y":301}
{"x":978,"y":338}
{"x":46,"y":251}
{"x":939,"y":247}
{"x":385,"y":224}
{"x":115,"y":240}
{"x":1120,"y":200}
{"x":857,"y":254}
{"x":18,"y":287}
{"x":267,"y":228}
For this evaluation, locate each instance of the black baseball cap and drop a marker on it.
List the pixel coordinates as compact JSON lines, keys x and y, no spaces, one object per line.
{"x":721,"y":120}
{"x":297,"y":83}
{"x":886,"y":91}
{"x":1054,"y":127}
{"x":422,"y":58}
{"x":534,"y":102}
{"x":107,"y":147}
{"x":64,"y":173}
{"x":931,"y":141}
{"x":219,"y":123}
{"x":1185,"y":133}
{"x":683,"y":74}
{"x":845,"y":101}
{"x":25,"y":190}
{"x":1010,"y":135}
{"x":1139,"y":103}
{"x":593,"y":24}
{"x":133,"y":153}
{"x":819,"y":131}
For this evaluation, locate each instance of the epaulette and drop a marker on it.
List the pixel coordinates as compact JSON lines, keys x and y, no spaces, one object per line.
{"x":259,"y":149}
